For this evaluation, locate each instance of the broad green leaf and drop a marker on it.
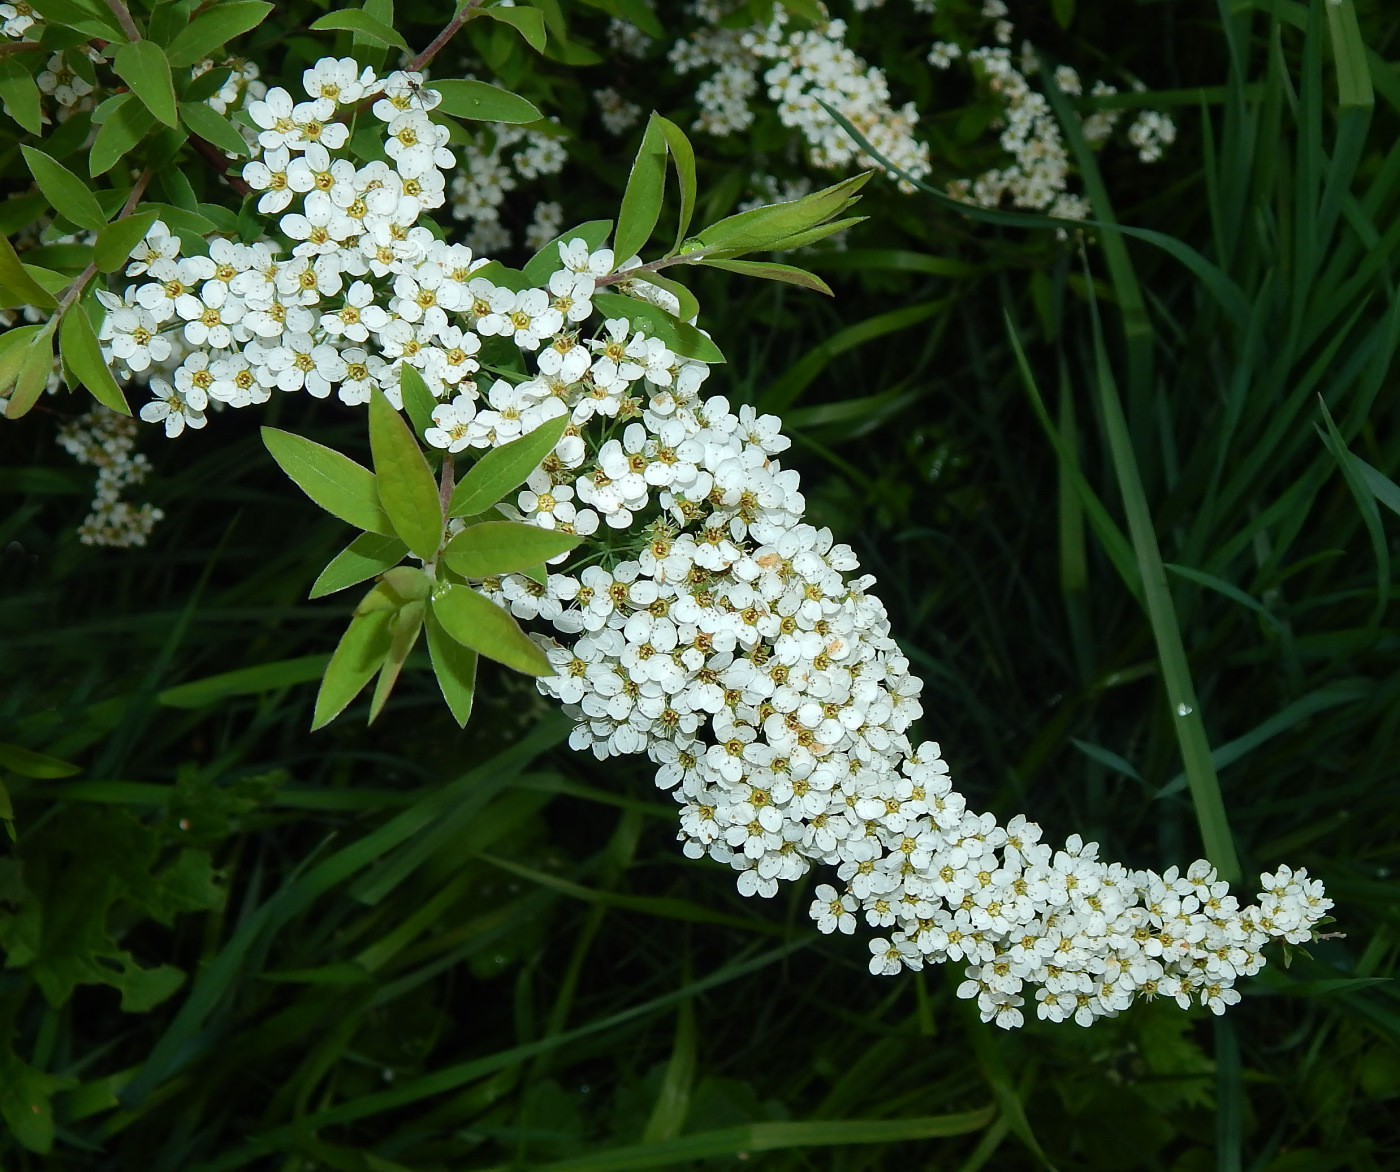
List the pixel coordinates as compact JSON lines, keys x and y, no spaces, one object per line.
{"x":143,"y":67}
{"x":503,"y":547}
{"x":18,"y":286}
{"x":477,"y":622}
{"x":655,"y":322}
{"x":28,"y":763}
{"x":418,"y":401}
{"x":14,"y":349}
{"x":20,"y":94}
{"x":77,"y":342}
{"x":760,"y":227}
{"x":213,"y":127}
{"x":688,"y":305}
{"x":335,"y":482}
{"x":122,"y":131}
{"x":545,"y":263}
{"x":455,"y":668}
{"x":212,"y":30}
{"x":404,"y":629}
{"x":368,"y":555}
{"x":357,"y":657}
{"x":646,"y":186}
{"x":406,"y":486}
{"x":67,"y":194}
{"x":683,"y":158}
{"x":117,"y":239}
{"x":93,"y":19}
{"x":355,"y":21}
{"x":772,"y":272}
{"x":34,"y":371}
{"x":245,"y":681}
{"x":25,"y":1101}
{"x":528,"y":22}
{"x":481,"y":101}
{"x":504,"y":468}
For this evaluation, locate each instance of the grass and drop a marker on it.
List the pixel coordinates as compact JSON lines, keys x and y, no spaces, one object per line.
{"x":406,"y":948}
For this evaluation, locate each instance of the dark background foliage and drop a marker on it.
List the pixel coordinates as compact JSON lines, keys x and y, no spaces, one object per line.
{"x":231,"y":943}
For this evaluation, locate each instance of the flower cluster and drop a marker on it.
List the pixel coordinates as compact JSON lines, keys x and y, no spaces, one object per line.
{"x":717,"y":632}
{"x":106,"y":440}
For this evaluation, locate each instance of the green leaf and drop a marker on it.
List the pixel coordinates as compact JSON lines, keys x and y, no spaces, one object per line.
{"x":25,"y":1095}
{"x":404,"y":628}
{"x":800,"y":239}
{"x":213,"y":127}
{"x":123,"y":130}
{"x":28,"y":763}
{"x":683,"y":158}
{"x":1063,"y":11}
{"x":368,"y":555}
{"x":483,"y":102}
{"x":759,"y":228}
{"x":143,"y":67}
{"x":646,"y":186}
{"x":77,"y":343}
{"x":14,"y":349}
{"x":67,"y":194}
{"x":528,"y":22}
{"x":18,"y":286}
{"x":503,"y":547}
{"x":34,"y":371}
{"x":688,"y":306}
{"x":92,"y":19}
{"x":455,"y":668}
{"x":245,"y":681}
{"x":655,"y":322}
{"x":418,"y":401}
{"x":477,"y":622}
{"x":772,"y":272}
{"x":213,"y":30}
{"x":545,"y":263}
{"x":335,"y":482}
{"x":505,"y":468}
{"x":20,"y":94}
{"x":355,"y":21}
{"x":406,"y":486}
{"x":357,"y":657}
{"x":117,"y":239}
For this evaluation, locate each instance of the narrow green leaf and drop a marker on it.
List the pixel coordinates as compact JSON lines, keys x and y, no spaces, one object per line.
{"x":672,"y":1104}
{"x":1360,"y":489}
{"x":357,"y":657}
{"x":67,"y":194}
{"x":34,"y":371}
{"x":19,"y":287}
{"x":404,"y":629}
{"x":335,"y":482}
{"x":418,"y":401}
{"x":683,"y":158}
{"x":482,"y":102}
{"x":772,"y":272}
{"x":28,"y":763}
{"x":761,"y":227}
{"x":117,"y":239}
{"x":213,"y":127}
{"x":20,"y":94}
{"x":477,"y":622}
{"x":546,"y":262}
{"x":406,"y":486}
{"x":503,"y":469}
{"x":369,"y":554}
{"x":77,"y":342}
{"x":528,"y":22}
{"x":646,"y":187}
{"x":1382,"y":487}
{"x":1354,"y":90}
{"x":504,"y":547}
{"x":801,"y":239}
{"x":245,"y":681}
{"x":143,"y":67}
{"x":455,"y":668}
{"x":655,"y":322}
{"x":213,"y":30}
{"x":353,"y":20}
{"x":122,"y":132}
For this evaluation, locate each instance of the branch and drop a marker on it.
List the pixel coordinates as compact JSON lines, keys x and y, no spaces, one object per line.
{"x":20,"y":47}
{"x":439,"y":42}
{"x":218,"y":159}
{"x":124,"y":18}
{"x":650,"y":267}
{"x":75,"y":290}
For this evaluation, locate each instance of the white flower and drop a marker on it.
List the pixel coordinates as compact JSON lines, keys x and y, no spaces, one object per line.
{"x":158,"y":244}
{"x":403,"y":93}
{"x":451,"y":424}
{"x":341,"y":81}
{"x":133,"y":338}
{"x":356,"y":316}
{"x":170,"y":407}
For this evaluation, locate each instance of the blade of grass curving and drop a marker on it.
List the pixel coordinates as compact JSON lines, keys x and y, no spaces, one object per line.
{"x":1185,"y":713}
{"x":1366,"y":503}
{"x":672,"y":1104}
{"x":1229,"y":1098}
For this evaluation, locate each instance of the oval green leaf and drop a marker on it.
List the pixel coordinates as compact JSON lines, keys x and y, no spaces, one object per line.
{"x":655,"y":322}
{"x":143,"y":67}
{"x":20,"y":95}
{"x":335,"y":482}
{"x":357,"y":657}
{"x":125,"y":126}
{"x":18,"y":287}
{"x":646,"y":185}
{"x":406,"y":486}
{"x":355,"y":21}
{"x":477,"y":622}
{"x":34,"y":370}
{"x":455,"y":668}
{"x":483,"y":102}
{"x":212,"y":127}
{"x":117,"y":239}
{"x":77,"y":342}
{"x":67,"y":194}
{"x":545,"y":263}
{"x":213,"y":30}
{"x":504,"y":468}
{"x":418,"y":401}
{"x":504,"y":547}
{"x":369,"y":554}
{"x":528,"y":22}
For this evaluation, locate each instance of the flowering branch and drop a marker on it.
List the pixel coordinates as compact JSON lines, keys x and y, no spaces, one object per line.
{"x":75,"y":290}
{"x":439,"y":42}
